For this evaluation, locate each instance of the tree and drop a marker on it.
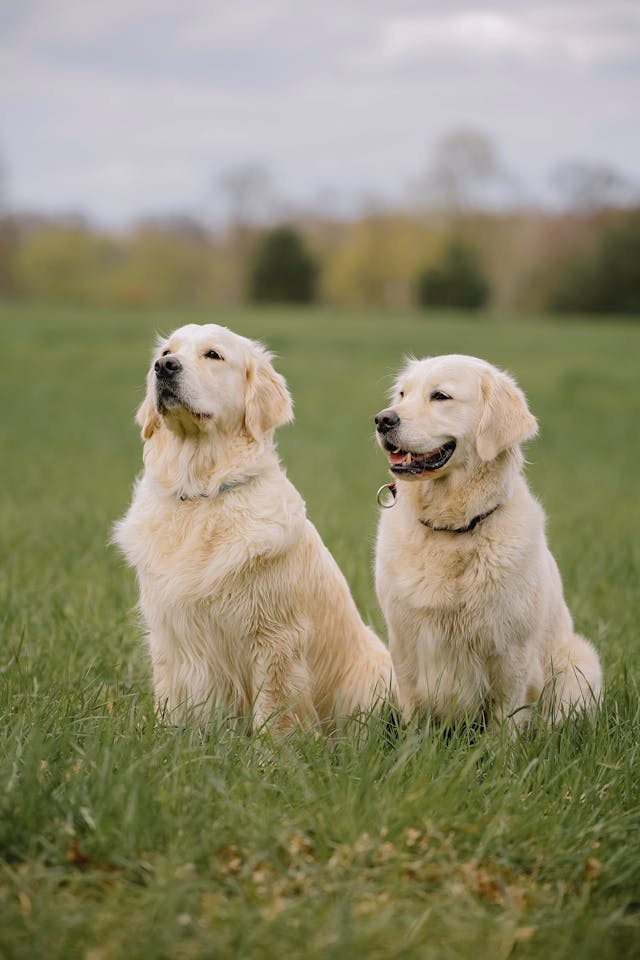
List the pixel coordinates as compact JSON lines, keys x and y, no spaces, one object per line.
{"x":65,"y":262}
{"x":586,"y":187}
{"x":457,"y":281}
{"x":250,"y":195}
{"x":465,"y":174}
{"x":283,"y":271}
{"x":607,"y":279}
{"x":8,"y":239}
{"x":248,"y":199}
{"x":3,"y":187}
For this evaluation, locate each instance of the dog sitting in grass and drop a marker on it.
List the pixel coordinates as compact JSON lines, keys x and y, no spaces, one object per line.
{"x":478,"y":625}
{"x":246,"y":611}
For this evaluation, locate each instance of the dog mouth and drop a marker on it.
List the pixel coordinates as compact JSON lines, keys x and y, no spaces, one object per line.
{"x":407,"y":462}
{"x":169,"y":399}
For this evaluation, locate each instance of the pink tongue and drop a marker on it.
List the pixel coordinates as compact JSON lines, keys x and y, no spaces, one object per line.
{"x":396,"y":458}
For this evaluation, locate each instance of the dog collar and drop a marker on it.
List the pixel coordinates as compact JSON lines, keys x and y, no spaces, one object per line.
{"x":223,"y":488}
{"x":469,"y":527}
{"x":386,"y":498}
{"x":386,"y":495}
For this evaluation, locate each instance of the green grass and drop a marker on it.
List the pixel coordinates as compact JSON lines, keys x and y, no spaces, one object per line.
{"x":122,"y":838}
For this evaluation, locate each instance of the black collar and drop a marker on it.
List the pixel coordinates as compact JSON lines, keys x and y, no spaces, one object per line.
{"x":469,"y":527}
{"x":389,"y":501}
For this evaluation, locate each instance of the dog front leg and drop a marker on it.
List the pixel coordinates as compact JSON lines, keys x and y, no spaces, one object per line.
{"x":282,"y":689}
{"x":167,"y":689}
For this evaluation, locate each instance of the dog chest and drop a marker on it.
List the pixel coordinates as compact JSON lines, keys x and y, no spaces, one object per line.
{"x":439,"y":573}
{"x":187,"y":550}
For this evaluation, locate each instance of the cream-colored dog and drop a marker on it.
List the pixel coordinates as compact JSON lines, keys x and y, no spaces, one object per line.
{"x":471,"y":594}
{"x":246,"y":610}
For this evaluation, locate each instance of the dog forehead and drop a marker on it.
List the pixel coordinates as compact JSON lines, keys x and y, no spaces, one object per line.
{"x":199,"y":335}
{"x":448,"y":369}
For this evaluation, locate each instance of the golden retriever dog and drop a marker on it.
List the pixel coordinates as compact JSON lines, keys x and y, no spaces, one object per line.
{"x":478,"y":626}
{"x":246,"y":610}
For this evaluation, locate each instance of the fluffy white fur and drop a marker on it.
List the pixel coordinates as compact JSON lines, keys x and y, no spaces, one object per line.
{"x":246,"y":610}
{"x":477,"y":621}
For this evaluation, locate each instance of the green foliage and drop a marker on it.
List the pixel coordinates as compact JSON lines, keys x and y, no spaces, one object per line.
{"x":8,"y":246}
{"x":607,"y":279}
{"x":162,"y":267}
{"x":64,"y":263}
{"x":283,"y":271}
{"x":456,"y":281}
{"x":529,"y":262}
{"x":120,"y":837}
{"x":373,"y":262}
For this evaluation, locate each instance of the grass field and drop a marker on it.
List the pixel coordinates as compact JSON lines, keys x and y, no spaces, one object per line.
{"x":120,"y":838}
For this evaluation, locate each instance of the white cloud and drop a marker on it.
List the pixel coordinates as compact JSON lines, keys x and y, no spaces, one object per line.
{"x":481,"y":33}
{"x":581,"y":34}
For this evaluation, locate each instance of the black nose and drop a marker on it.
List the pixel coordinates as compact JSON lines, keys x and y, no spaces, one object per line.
{"x":386,"y":420}
{"x":167,"y":367}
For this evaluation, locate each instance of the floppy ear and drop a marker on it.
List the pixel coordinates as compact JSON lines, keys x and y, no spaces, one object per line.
{"x":505,"y":420}
{"x":147,"y":416}
{"x":268,"y":402}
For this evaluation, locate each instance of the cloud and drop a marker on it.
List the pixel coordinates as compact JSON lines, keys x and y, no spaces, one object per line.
{"x":580,"y":33}
{"x":477,"y":33}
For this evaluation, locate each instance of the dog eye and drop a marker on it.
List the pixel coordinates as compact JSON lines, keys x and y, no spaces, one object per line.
{"x":439,"y":395}
{"x":401,"y":394}
{"x":213,"y":355}
{"x":166,"y":353}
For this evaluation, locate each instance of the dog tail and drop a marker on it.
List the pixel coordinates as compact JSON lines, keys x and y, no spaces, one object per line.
{"x":575,"y":681}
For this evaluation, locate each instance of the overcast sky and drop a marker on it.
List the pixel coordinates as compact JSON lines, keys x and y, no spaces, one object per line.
{"x":119,"y":108}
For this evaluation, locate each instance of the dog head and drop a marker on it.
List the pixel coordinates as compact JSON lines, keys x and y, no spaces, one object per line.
{"x":448,"y":412}
{"x":207,"y":379}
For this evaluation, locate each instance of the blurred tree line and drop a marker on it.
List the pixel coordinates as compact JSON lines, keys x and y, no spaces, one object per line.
{"x":522,"y":261}
{"x":451,"y":246}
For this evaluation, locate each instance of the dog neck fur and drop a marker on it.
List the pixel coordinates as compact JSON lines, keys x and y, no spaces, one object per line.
{"x":454,"y":499}
{"x":196,"y":463}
